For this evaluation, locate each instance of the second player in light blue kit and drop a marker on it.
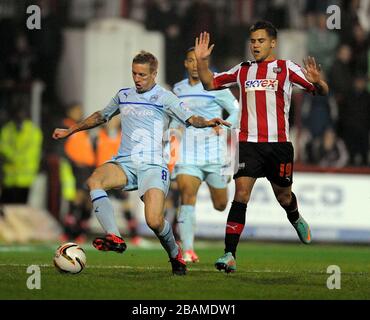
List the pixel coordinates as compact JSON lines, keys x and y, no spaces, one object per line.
{"x":203,"y":153}
{"x":145,"y":111}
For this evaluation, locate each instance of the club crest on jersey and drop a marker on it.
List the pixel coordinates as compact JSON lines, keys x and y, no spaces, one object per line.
{"x":261,"y":85}
{"x":276,"y":69}
{"x":153,"y":98}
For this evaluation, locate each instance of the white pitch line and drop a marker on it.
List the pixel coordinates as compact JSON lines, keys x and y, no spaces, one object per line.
{"x":189,"y":269}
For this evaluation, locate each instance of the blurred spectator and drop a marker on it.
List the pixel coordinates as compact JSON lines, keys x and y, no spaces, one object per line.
{"x":277,"y":13}
{"x":317,"y":113}
{"x":21,"y":62}
{"x":20,"y":150}
{"x":296,"y":16}
{"x":7,"y":36}
{"x":356,"y":122}
{"x":161,"y":16}
{"x":329,"y":150}
{"x":199,"y":17}
{"x":322,"y":42}
{"x":78,"y":150}
{"x":340,"y":76}
{"x":341,"y":79}
{"x":349,"y":18}
{"x":138,"y":10}
{"x":360,"y":47}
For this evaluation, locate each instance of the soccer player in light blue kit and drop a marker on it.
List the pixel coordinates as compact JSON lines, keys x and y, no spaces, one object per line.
{"x":145,"y":110}
{"x":202,"y":153}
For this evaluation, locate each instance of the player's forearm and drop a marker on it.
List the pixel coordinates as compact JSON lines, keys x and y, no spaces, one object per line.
{"x":95,"y":120}
{"x":322,"y":88}
{"x":205,"y":75}
{"x":198,"y":122}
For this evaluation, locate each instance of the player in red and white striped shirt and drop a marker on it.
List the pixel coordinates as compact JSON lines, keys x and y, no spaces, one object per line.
{"x":265,"y":87}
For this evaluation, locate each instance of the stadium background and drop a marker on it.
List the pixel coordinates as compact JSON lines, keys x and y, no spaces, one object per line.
{"x":83,"y":53}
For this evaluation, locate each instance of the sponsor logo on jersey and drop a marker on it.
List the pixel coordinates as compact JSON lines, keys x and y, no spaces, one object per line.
{"x":132,"y":111}
{"x":261,"y":85}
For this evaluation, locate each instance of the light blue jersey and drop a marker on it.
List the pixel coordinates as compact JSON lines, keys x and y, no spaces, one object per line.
{"x":145,"y":119}
{"x":203,"y":146}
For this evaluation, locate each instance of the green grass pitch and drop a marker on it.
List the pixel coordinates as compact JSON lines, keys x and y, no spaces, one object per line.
{"x":264,"y":271}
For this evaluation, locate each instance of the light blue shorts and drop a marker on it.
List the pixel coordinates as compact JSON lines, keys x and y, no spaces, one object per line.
{"x":143,"y":177}
{"x":210,"y":173}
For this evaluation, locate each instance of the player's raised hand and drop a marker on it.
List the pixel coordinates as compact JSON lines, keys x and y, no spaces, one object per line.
{"x":60,"y":133}
{"x":311,"y":70}
{"x":218,"y":122}
{"x":202,"y":49}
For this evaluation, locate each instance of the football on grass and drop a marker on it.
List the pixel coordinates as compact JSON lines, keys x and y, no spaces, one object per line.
{"x":70,"y":258}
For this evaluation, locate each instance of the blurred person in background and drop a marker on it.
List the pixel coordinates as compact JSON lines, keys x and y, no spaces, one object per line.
{"x":199,"y":16}
{"x":360,"y":44}
{"x":277,"y":12}
{"x":356,"y":122}
{"x":341,"y":79}
{"x":21,"y":62}
{"x":17,"y":65}
{"x":349,"y":18}
{"x":318,"y":113}
{"x":79,"y":151}
{"x":107,"y":144}
{"x":341,"y":76}
{"x":199,"y":161}
{"x":20,"y":150}
{"x":322,"y":42}
{"x":329,"y":151}
{"x":265,"y":150}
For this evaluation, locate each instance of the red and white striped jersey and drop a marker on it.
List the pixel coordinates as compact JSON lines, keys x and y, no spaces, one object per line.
{"x":265,"y":97}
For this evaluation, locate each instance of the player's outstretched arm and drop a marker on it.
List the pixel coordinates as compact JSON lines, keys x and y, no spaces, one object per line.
{"x":96,"y":119}
{"x":202,"y":52}
{"x":312,"y":72}
{"x":200,"y":122}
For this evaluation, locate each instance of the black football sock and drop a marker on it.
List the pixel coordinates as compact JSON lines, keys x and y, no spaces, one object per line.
{"x":292,"y":210}
{"x":234,"y":226}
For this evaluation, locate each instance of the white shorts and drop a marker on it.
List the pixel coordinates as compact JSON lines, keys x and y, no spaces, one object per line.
{"x":143,"y":177}
{"x":210,"y":173}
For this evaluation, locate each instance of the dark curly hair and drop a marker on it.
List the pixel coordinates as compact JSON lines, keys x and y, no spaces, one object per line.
{"x":265,"y":25}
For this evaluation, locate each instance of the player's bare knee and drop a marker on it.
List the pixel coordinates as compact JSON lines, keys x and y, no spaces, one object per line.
{"x":94,"y":182}
{"x":242,"y":196}
{"x":154,"y":224}
{"x":220,"y":206}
